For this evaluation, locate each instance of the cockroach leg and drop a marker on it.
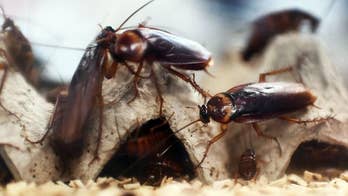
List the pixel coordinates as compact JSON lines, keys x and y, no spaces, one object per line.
{"x":11,"y":145}
{"x":130,"y":69}
{"x":212,"y":141}
{"x":262,"y":134}
{"x":262,"y":76}
{"x":159,"y":92}
{"x":4,"y":67}
{"x":210,"y":74}
{"x":135,"y":82}
{"x":189,"y":80}
{"x":299,"y":121}
{"x":100,"y":126}
{"x":53,"y":117}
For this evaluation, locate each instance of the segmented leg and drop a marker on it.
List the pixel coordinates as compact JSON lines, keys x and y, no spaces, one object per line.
{"x":130,"y":69}
{"x":299,"y":121}
{"x":56,"y":115}
{"x":260,"y":133}
{"x":189,"y":80}
{"x":100,"y":101}
{"x":158,"y":89}
{"x":212,"y":141}
{"x":135,"y":82}
{"x":3,"y":79}
{"x":262,"y":76}
{"x":10,"y":145}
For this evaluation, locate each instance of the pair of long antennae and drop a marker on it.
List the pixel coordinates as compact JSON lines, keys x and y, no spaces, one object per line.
{"x":130,"y":16}
{"x":81,"y":49}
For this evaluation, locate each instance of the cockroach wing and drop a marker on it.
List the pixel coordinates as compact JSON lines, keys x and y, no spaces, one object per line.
{"x":169,"y":49}
{"x":75,"y":110}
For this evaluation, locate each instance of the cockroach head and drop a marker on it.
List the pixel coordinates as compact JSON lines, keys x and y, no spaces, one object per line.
{"x":314,"y":24}
{"x":250,"y":153}
{"x":8,"y":23}
{"x":203,"y":114}
{"x":106,"y":36}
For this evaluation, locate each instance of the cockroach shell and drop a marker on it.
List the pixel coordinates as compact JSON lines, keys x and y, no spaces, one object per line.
{"x":221,"y":108}
{"x":40,"y":164}
{"x":318,"y":74}
{"x":131,"y":46}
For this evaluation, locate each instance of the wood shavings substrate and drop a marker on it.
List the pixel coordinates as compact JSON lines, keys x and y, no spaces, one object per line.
{"x":287,"y":185}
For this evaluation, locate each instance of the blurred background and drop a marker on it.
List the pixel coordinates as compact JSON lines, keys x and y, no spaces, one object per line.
{"x":220,"y":25}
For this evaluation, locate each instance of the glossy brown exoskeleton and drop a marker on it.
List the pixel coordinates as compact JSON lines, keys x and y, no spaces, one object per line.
{"x":247,"y":166}
{"x":139,"y":45}
{"x":74,"y":107}
{"x":151,"y":153}
{"x":255,"y":102}
{"x":318,"y":156}
{"x":265,"y":28}
{"x":146,"y":45}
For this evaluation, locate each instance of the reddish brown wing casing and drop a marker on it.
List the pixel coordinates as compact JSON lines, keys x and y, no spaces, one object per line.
{"x":267,"y":27}
{"x":168,"y":49}
{"x":266,"y":100}
{"x":73,"y":111}
{"x":259,"y":101}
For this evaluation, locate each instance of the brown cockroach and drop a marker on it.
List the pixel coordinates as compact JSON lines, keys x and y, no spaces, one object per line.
{"x":317,"y":156}
{"x":20,"y":50}
{"x":150,"y":153}
{"x":255,"y":102}
{"x":73,"y":108}
{"x":21,"y":58}
{"x":147,"y":45}
{"x":247,"y":165}
{"x":265,"y":28}
{"x":139,"y":45}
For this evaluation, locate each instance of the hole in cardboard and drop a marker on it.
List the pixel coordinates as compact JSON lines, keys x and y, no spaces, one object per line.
{"x":5,"y":174}
{"x":150,"y":153}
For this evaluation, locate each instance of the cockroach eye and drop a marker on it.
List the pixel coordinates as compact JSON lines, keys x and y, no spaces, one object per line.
{"x":203,"y":114}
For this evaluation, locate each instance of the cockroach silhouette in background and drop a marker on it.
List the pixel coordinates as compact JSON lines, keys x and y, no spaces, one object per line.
{"x":138,"y":45}
{"x":150,"y":153}
{"x":21,"y":58}
{"x":267,"y":27}
{"x":256,"y":102}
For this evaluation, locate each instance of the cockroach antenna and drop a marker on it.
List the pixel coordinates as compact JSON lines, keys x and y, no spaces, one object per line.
{"x":130,"y":16}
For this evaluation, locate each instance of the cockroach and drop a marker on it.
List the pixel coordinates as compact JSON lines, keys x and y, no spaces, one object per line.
{"x":21,"y":57}
{"x":150,"y":153}
{"x":73,"y":109}
{"x":139,"y":45}
{"x":147,"y":45}
{"x":265,"y":28}
{"x":247,"y":166}
{"x":317,"y":155}
{"x":256,"y":102}
{"x":20,"y":50}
